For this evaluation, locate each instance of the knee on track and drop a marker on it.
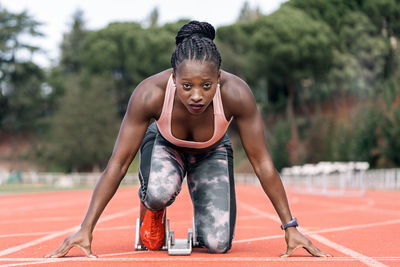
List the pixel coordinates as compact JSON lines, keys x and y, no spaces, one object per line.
{"x":218,"y":245}
{"x":221,"y":248}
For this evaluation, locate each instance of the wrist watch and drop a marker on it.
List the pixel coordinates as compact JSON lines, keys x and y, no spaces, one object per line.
{"x":291,"y":223}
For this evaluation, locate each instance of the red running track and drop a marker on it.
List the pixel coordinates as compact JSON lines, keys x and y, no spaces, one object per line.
{"x":358,"y":231}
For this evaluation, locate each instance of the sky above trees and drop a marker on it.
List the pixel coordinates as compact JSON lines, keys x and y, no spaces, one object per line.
{"x":56,"y":15}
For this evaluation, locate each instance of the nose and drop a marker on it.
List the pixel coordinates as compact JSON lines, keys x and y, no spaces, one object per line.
{"x":196,"y":96}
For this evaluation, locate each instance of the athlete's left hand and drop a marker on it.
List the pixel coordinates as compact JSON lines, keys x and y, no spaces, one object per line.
{"x":295,"y":239}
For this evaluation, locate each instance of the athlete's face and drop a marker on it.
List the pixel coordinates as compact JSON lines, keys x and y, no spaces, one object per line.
{"x":196,"y":83}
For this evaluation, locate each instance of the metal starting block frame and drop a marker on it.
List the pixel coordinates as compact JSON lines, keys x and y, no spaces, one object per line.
{"x":175,"y":246}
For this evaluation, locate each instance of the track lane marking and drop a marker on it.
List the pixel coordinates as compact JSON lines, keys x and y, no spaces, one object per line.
{"x":361,"y":257}
{"x":60,"y":233}
{"x":45,"y":205}
{"x":43,"y":219}
{"x":39,"y":206}
{"x":205,"y":259}
{"x":370,"y":204}
{"x":46,"y":233}
{"x":327,"y":230}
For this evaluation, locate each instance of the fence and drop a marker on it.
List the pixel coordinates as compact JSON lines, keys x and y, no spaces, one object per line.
{"x":348,"y":182}
{"x":58,"y":179}
{"x":340,"y":178}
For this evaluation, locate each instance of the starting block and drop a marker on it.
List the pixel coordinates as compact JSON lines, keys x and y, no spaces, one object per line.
{"x":175,"y":246}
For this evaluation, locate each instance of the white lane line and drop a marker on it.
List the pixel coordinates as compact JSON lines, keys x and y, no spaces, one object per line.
{"x":259,"y":238}
{"x":245,"y":218}
{"x":26,"y":234}
{"x":124,"y":253}
{"x":327,"y":230}
{"x":23,"y":264}
{"x":20,"y":206}
{"x":35,"y":261}
{"x":37,"y":241}
{"x":361,"y":257}
{"x":201,"y":259}
{"x":369,"y":206}
{"x":46,"y":233}
{"x":357,"y":226}
{"x":333,"y":210}
{"x":122,"y":227}
{"x":43,"y":219}
{"x":133,"y":226}
{"x":60,"y":233}
{"x":39,"y":206}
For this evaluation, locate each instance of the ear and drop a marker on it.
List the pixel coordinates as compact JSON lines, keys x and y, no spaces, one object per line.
{"x":219,"y":76}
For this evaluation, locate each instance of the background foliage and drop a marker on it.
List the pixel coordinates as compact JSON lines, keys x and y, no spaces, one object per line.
{"x":325,"y":75}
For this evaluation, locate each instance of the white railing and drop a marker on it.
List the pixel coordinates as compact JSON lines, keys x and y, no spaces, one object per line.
{"x":350,"y":183}
{"x":59,"y":179}
{"x":355,"y":181}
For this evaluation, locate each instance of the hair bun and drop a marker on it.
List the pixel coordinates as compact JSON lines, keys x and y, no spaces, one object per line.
{"x":201,"y":29}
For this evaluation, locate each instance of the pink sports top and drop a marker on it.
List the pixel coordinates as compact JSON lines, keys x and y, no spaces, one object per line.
{"x":164,"y":122}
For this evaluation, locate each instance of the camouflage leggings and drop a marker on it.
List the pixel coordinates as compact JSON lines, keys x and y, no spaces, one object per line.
{"x":163,"y":167}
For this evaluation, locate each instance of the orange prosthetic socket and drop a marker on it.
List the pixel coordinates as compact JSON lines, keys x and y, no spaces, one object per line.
{"x":152,"y":230}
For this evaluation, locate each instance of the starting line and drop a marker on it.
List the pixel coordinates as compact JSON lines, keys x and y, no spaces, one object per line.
{"x":205,"y":259}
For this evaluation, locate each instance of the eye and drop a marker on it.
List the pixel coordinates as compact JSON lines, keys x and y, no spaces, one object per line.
{"x":186,"y":85}
{"x":207,"y":85}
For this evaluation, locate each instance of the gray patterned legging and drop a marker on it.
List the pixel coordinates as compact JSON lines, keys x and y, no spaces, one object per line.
{"x":163,"y":167}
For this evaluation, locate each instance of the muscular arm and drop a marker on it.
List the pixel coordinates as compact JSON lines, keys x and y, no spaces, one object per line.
{"x":251,"y":132}
{"x":130,"y":136}
{"x":242,"y":105}
{"x":145,"y":103}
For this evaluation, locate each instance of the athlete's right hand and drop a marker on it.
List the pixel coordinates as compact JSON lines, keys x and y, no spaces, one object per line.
{"x":81,"y":239}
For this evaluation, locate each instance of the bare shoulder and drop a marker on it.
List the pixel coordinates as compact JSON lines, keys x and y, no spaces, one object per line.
{"x":149,"y":94}
{"x":236,"y":95}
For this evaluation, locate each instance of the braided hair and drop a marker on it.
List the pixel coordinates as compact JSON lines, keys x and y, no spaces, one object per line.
{"x":194,"y":41}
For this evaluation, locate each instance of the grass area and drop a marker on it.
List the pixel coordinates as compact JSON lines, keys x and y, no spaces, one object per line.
{"x":33,"y":188}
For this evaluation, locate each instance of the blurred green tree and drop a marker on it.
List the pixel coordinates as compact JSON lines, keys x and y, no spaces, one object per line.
{"x":25,"y":99}
{"x":359,"y":61}
{"x":331,"y":12}
{"x":85,"y":127}
{"x":363,"y":45}
{"x":367,"y":137}
{"x":391,"y":141}
{"x":290,"y":47}
{"x":153,"y":17}
{"x":385,"y":14}
{"x":247,"y":13}
{"x":129,"y":53}
{"x":72,"y":44}
{"x":280,"y":136}
{"x":70,"y":62}
{"x":12,"y":27}
{"x":319,"y":138}
{"x":68,"y":67}
{"x":21,"y":97}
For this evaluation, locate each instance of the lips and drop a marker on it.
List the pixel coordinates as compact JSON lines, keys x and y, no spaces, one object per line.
{"x":196,"y":107}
